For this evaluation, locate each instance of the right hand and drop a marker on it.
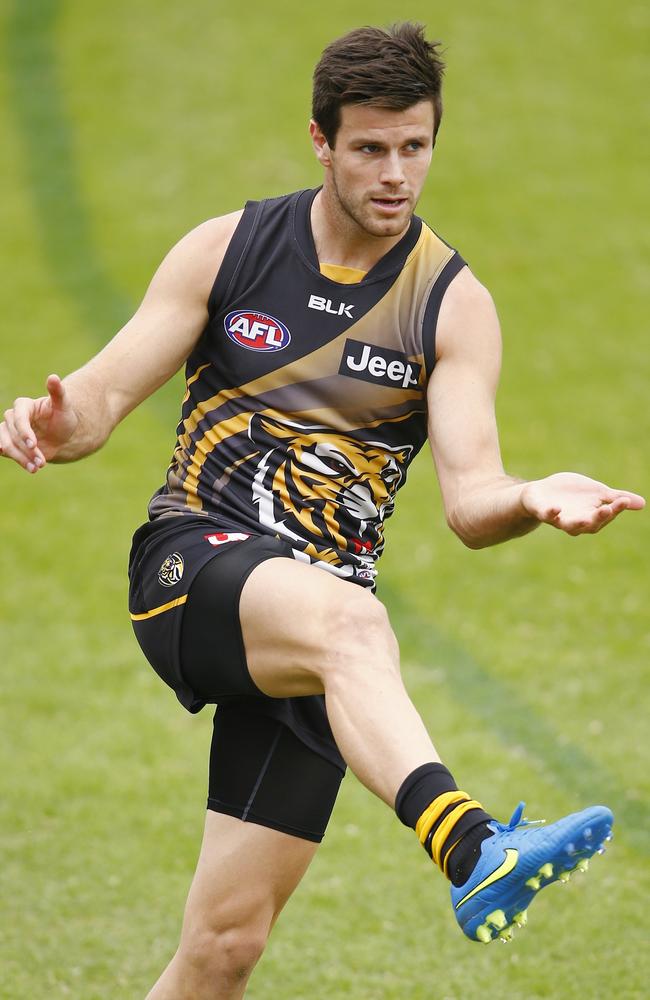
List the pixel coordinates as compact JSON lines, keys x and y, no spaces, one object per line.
{"x":34,"y":430}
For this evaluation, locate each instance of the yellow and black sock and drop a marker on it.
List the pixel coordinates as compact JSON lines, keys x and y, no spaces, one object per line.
{"x":450,"y":825}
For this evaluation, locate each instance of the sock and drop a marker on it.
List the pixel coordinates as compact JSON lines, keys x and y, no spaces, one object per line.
{"x":450,"y":825}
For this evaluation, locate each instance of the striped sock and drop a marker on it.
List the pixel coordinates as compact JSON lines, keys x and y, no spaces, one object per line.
{"x":446,"y":820}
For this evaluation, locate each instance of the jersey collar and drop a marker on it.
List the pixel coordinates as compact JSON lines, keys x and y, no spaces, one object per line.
{"x":389,"y":264}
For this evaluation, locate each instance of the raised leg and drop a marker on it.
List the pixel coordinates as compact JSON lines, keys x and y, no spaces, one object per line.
{"x":308,"y":632}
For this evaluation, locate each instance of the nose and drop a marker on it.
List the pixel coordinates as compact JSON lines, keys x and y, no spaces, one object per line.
{"x":392,"y":170}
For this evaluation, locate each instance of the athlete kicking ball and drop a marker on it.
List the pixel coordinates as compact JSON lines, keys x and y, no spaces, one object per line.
{"x":338,"y":334}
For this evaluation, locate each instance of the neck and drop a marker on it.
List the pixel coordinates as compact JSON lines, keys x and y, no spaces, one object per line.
{"x":340,"y":240}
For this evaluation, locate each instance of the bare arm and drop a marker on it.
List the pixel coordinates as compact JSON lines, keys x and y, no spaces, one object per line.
{"x":482,"y":503}
{"x":79,"y":413}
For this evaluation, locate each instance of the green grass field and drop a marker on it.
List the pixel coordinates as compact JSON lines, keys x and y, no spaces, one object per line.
{"x":122,"y":125}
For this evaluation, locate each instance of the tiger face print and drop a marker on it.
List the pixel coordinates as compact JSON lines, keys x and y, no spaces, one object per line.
{"x":314,"y":483}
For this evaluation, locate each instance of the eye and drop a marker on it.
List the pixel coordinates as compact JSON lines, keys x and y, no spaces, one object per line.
{"x":390,"y":475}
{"x":337,"y":463}
{"x":325,"y":465}
{"x":370,"y":147}
{"x":339,"y":467}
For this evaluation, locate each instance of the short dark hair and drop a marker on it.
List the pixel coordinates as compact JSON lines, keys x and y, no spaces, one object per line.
{"x":391,"y":68}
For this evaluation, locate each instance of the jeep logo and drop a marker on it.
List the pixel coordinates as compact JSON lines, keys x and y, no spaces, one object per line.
{"x":379,"y":365}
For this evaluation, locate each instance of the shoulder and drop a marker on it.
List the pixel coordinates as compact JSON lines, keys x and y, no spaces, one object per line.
{"x":210,"y":238}
{"x":194,"y":261}
{"x":466,"y":293}
{"x":468,"y":317}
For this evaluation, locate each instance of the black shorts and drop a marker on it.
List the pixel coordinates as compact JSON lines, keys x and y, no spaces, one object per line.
{"x":186,"y":577}
{"x":262,"y":773}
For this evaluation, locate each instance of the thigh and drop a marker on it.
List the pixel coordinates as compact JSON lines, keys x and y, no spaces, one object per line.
{"x":297,"y":618}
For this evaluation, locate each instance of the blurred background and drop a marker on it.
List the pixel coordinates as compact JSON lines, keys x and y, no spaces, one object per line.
{"x":124,"y":125}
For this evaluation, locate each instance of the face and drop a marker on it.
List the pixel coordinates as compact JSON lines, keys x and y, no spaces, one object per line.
{"x":375,"y":173}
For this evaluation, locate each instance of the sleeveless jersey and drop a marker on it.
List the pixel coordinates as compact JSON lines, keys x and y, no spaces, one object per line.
{"x":306,"y":397}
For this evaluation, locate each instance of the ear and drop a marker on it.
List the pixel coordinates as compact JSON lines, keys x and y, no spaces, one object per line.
{"x":267,"y":432}
{"x":320,"y":144}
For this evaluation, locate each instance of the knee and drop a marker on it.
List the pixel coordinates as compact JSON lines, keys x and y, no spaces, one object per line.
{"x":359,"y":630}
{"x":226,"y":956}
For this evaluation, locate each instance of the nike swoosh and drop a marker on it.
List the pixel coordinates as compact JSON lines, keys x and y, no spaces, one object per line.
{"x":506,"y":866}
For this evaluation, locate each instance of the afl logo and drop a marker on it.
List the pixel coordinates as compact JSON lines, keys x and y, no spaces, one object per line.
{"x":256,"y":331}
{"x":171,"y":571}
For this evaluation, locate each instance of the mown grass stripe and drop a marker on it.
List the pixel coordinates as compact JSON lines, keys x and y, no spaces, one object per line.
{"x":47,"y":140}
{"x":506,"y":713}
{"x":62,"y":221}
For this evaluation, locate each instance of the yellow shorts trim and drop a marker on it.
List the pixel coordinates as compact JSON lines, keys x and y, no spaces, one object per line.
{"x":159,"y":610}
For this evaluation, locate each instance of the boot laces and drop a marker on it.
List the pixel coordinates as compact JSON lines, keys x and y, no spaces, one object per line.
{"x":516,"y":821}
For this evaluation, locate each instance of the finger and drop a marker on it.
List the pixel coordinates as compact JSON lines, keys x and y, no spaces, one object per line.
{"x":21,"y":432}
{"x":15,"y":438}
{"x":9,"y":450}
{"x":601,"y":517}
{"x":608,"y":511}
{"x":613,"y":510}
{"x":572,"y":530}
{"x":616,"y":506}
{"x":22,"y":416}
{"x":56,"y":390}
{"x":577,"y":525}
{"x":635,"y":500}
{"x":556,"y":522}
{"x":33,"y":455}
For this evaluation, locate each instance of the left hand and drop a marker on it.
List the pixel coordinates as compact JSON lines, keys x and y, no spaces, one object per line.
{"x":575,"y":503}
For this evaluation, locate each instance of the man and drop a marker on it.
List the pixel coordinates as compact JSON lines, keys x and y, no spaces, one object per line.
{"x":338,"y":334}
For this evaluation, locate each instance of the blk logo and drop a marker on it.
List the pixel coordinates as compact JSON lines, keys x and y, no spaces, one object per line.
{"x":325,"y":305}
{"x":256,"y":331}
{"x":380,"y":365}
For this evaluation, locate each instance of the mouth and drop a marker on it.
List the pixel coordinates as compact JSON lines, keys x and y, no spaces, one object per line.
{"x":390,"y":206}
{"x":358,"y":546}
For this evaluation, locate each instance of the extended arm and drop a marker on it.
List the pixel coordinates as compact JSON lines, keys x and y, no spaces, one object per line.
{"x":483,"y":504}
{"x":79,"y":412}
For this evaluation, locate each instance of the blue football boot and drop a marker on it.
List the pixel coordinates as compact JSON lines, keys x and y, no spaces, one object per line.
{"x":519,"y":860}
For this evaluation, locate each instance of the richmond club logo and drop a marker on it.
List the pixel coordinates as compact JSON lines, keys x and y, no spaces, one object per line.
{"x":171,"y":571}
{"x":256,"y":331}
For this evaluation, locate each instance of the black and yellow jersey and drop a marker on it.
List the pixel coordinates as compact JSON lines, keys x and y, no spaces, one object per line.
{"x":306,"y":395}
